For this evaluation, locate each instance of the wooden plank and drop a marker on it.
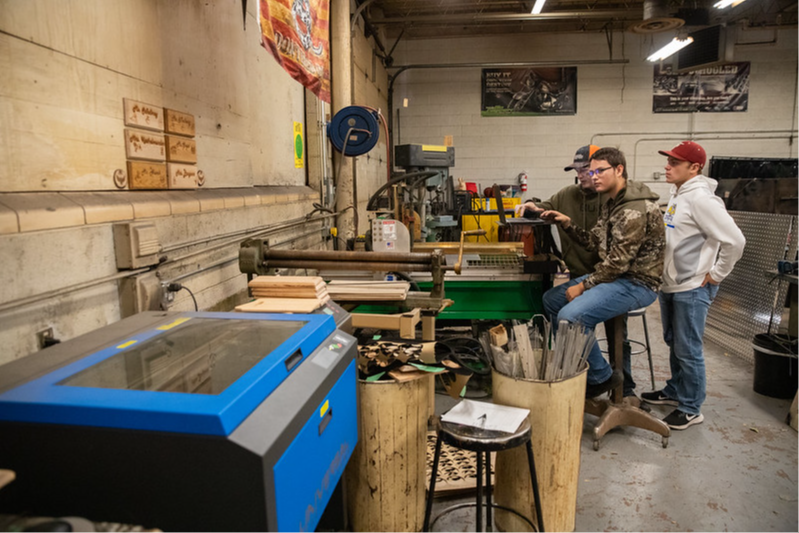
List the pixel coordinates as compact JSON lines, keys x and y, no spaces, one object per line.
{"x":143,"y":115}
{"x":143,"y":175}
{"x":287,"y":281}
{"x":177,"y":122}
{"x":182,"y":176}
{"x":144,"y":145}
{"x":180,"y":149}
{"x":280,"y":305}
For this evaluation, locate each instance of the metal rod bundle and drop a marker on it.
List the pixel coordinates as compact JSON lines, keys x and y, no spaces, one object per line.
{"x":551,"y":356}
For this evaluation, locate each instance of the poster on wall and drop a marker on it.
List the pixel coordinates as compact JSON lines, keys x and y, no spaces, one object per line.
{"x":296,"y":32}
{"x":718,"y":89}
{"x":510,"y":92}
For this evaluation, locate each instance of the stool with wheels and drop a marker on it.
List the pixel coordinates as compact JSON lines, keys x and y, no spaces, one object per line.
{"x":483,"y":442}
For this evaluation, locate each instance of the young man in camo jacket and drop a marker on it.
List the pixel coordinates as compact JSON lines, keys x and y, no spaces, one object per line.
{"x":630,"y":238}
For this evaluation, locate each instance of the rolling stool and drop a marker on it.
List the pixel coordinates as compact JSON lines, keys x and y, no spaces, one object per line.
{"x":482,"y":441}
{"x":644,"y":346}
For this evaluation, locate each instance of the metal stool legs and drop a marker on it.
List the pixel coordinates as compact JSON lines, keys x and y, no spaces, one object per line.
{"x":429,"y":508}
{"x":648,"y":351}
{"x":534,"y":478}
{"x":479,"y":480}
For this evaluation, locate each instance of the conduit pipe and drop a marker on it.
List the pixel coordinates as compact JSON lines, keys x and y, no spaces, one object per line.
{"x":701,"y":138}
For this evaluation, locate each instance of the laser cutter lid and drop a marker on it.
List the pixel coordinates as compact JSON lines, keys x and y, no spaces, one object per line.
{"x":201,"y":373}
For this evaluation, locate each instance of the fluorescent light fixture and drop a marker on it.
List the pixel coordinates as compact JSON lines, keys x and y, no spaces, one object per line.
{"x":673,"y":47}
{"x":539,"y":5}
{"x":727,"y":3}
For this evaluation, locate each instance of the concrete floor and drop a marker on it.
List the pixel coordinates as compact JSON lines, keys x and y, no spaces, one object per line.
{"x":737,"y":471}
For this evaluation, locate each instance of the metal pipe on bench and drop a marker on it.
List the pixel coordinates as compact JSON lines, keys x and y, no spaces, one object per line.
{"x":347,"y":265}
{"x":336,"y":256}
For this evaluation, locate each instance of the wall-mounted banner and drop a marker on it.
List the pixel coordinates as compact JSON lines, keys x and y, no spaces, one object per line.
{"x":297,"y":34}
{"x":509,"y":92}
{"x":299,"y":148}
{"x":719,"y":89}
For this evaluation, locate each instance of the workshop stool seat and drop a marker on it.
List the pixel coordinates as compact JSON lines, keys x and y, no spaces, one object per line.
{"x":482,"y":441}
{"x":643,"y":346}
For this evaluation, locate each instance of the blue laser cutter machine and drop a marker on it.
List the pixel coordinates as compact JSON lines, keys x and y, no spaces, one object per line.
{"x":183,"y":421}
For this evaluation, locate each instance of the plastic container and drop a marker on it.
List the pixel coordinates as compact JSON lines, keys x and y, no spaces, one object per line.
{"x":775,"y":365}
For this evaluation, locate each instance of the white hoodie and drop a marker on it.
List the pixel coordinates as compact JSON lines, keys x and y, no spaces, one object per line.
{"x":701,"y":236}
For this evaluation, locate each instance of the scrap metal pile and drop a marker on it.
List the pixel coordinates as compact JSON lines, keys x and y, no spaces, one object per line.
{"x":454,"y":360}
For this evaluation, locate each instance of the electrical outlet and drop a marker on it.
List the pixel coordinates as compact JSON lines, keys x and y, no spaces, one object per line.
{"x":45,"y":337}
{"x":167,"y":296}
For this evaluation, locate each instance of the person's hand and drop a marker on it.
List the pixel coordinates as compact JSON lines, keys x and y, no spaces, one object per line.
{"x":709,"y":279}
{"x":527,"y":206}
{"x":574,"y":291}
{"x":558,"y":217}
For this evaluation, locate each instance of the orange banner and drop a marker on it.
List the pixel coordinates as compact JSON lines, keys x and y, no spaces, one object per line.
{"x":297,"y":34}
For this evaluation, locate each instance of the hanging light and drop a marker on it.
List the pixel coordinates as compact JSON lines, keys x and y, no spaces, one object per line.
{"x":539,"y":5}
{"x":673,"y":47}
{"x":727,"y":3}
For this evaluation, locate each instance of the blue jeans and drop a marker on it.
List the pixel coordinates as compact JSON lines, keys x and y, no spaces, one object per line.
{"x":683,"y":315}
{"x":597,"y":304}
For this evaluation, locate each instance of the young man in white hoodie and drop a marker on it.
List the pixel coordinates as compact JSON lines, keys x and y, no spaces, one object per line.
{"x":702,"y":246}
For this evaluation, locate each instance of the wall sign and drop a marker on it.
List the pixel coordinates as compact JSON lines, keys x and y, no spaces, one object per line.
{"x":529,"y":91}
{"x":719,"y":89}
{"x":143,"y":115}
{"x":299,"y":146}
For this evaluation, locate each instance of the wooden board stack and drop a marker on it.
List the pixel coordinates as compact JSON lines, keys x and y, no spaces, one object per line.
{"x":344,"y":290}
{"x":286,"y":294}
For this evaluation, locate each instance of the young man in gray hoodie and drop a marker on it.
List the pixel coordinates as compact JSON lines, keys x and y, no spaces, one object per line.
{"x":702,"y":246}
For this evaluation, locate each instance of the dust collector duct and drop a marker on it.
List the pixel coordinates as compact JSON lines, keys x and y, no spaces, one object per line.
{"x":656,"y":18}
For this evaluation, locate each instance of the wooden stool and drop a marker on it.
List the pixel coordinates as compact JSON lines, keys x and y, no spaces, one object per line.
{"x":482,"y":441}
{"x":616,"y":411}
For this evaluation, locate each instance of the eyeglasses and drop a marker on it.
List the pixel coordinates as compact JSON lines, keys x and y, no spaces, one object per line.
{"x":598,"y":171}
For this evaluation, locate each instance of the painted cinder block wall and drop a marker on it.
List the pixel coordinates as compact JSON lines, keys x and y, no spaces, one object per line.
{"x":614,"y":106}
{"x":67,"y":65}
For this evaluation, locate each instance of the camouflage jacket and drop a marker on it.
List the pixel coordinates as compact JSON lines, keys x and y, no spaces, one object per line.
{"x":629,"y":236}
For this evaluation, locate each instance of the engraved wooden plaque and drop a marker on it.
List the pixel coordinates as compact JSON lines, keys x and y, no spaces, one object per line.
{"x":145,"y":145}
{"x":180,"y":149}
{"x":141,"y":115}
{"x":182,"y":176}
{"x":180,"y":123}
{"x":142,"y":175}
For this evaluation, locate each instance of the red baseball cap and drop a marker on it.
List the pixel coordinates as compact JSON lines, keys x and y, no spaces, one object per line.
{"x":687,"y":151}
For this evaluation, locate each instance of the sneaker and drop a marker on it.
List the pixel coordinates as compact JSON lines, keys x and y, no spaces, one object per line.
{"x":679,"y":420}
{"x":615,"y":379}
{"x":658,"y":398}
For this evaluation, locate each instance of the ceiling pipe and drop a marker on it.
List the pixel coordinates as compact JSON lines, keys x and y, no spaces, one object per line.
{"x":466,"y":18}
